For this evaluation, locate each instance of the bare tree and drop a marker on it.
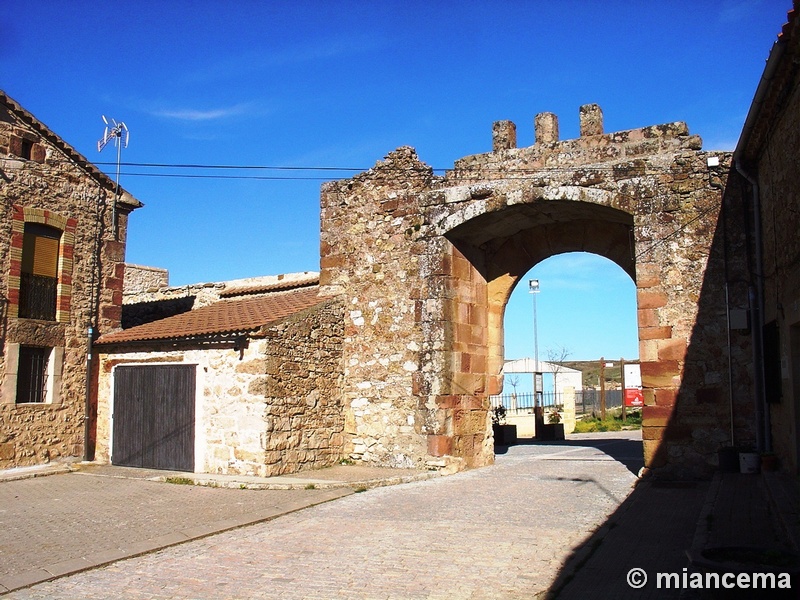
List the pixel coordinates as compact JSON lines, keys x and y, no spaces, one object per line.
{"x":514,"y":381}
{"x":556,"y":356}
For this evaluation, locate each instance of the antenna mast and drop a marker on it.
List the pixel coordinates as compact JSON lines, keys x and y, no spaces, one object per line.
{"x":120,"y":134}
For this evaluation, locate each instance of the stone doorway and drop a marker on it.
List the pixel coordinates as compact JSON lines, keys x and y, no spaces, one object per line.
{"x":585,"y":310}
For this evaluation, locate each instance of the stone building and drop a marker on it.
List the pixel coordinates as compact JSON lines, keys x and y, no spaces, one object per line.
{"x":238,"y":377}
{"x":764,"y":185}
{"x":62,"y":251}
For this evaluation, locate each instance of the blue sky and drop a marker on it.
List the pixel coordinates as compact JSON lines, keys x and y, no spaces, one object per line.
{"x":341,"y":84}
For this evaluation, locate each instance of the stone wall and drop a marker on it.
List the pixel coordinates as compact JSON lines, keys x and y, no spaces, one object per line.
{"x":45,"y":181}
{"x":427,"y":263}
{"x":369,"y":254}
{"x":771,"y":157}
{"x":304,"y":416}
{"x":138,"y":278}
{"x":141,"y":288}
{"x":268,"y":409}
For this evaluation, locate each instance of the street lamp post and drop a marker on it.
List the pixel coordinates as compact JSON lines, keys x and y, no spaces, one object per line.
{"x":533,"y":288}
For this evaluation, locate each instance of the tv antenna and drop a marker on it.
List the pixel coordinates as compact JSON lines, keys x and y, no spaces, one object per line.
{"x":120,"y":134}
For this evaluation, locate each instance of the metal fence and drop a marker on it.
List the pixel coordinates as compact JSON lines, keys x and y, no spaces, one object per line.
{"x":520,"y":404}
{"x":586,"y":401}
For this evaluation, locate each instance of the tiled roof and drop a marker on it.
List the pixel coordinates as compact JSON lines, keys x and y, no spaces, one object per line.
{"x":82,"y":161}
{"x":777,"y":81}
{"x":270,"y":287}
{"x":790,"y":18}
{"x":223,"y":317}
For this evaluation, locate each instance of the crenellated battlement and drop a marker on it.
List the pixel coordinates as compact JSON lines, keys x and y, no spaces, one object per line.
{"x":593,"y":145}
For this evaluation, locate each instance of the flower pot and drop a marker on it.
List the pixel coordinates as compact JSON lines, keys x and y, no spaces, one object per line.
{"x":504,"y":435}
{"x":549,"y":432}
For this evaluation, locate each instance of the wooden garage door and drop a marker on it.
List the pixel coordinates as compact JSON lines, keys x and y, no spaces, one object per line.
{"x":154,"y":417}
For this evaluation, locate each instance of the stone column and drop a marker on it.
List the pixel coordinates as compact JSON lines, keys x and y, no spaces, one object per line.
{"x":504,"y":136}
{"x":591,"y":117}
{"x":546,"y":128}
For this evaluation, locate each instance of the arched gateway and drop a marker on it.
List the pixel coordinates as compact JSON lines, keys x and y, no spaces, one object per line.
{"x":426,"y":264}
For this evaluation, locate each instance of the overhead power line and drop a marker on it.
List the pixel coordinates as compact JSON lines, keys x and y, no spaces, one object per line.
{"x":250,"y":177}
{"x":237,"y":167}
{"x":461,"y":172}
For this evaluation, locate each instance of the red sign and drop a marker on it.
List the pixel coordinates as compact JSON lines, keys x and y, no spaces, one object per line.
{"x":634,"y":397}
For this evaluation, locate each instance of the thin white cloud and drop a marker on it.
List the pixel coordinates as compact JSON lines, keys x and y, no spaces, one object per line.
{"x":720,"y":145}
{"x":192,"y":114}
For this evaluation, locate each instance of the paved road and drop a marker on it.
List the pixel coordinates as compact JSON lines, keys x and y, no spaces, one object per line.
{"x":497,"y":532}
{"x":64,"y":523}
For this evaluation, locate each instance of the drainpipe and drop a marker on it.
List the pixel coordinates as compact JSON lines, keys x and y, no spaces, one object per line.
{"x":87,"y":456}
{"x":94,"y":291}
{"x":756,"y":293}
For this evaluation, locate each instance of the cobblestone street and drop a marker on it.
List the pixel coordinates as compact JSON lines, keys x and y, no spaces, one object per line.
{"x":497,"y":532}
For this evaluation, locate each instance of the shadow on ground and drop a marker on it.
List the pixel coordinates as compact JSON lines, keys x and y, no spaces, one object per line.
{"x":623,"y":450}
{"x":651,"y":530}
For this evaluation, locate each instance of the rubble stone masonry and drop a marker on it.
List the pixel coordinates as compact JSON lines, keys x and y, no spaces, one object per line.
{"x":427,"y":263}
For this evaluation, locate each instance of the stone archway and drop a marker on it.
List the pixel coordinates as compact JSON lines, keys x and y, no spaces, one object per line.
{"x":504,"y":245}
{"x":427,"y":263}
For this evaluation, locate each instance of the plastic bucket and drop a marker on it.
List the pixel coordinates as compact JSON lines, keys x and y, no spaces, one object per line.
{"x":749,"y":462}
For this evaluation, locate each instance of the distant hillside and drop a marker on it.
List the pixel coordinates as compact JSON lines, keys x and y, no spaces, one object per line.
{"x":591,"y":371}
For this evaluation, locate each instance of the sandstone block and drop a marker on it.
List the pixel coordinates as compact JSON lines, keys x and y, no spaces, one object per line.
{"x":7,"y":451}
{"x":440,"y":445}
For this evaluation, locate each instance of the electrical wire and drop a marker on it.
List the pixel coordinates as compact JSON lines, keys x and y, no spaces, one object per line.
{"x":242,"y":167}
{"x":250,"y":177}
{"x":461,"y":173}
{"x":670,"y":235}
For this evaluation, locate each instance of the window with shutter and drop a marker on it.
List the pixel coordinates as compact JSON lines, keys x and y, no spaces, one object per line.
{"x":39,"y":277}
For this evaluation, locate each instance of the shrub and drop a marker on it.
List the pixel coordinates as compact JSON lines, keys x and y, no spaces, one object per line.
{"x":593,"y":424}
{"x":499,"y":415}
{"x":179,"y":480}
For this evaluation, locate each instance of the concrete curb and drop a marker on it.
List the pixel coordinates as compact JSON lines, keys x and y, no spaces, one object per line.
{"x":37,"y":471}
{"x":301,"y":484}
{"x":702,"y":531}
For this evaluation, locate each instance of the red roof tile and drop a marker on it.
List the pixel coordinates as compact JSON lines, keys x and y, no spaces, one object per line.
{"x":226,"y":316}
{"x":270,"y":287}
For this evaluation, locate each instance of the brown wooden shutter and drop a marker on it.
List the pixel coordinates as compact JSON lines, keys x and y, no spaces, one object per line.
{"x":45,"y":257}
{"x":40,"y":250}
